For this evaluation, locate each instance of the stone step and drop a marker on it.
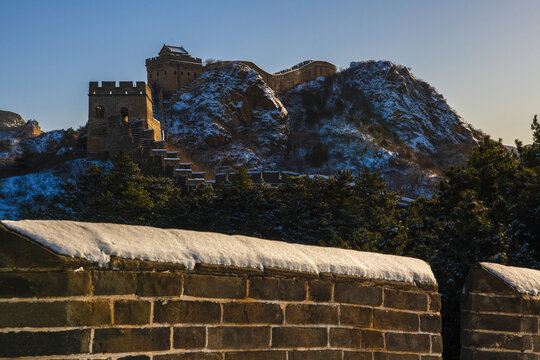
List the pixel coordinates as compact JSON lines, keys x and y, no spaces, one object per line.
{"x":197,"y":175}
{"x":171,"y":161}
{"x":159,"y":153}
{"x":159,"y":144}
{"x":185,"y":165}
{"x":255,"y":176}
{"x":172,"y":154}
{"x":195,"y":181}
{"x":148,"y":134}
{"x":182,"y":172}
{"x":221,"y":177}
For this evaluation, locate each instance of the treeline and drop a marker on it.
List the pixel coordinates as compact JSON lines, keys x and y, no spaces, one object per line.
{"x":486,"y":210}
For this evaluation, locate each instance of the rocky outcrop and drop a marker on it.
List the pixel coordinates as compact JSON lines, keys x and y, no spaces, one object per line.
{"x":10,"y":120}
{"x":373,"y":115}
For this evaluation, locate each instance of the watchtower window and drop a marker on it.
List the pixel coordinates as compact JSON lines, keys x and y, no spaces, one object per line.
{"x":124,"y":113}
{"x":100,"y":112}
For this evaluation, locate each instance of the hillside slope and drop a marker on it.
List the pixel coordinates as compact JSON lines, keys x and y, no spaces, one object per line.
{"x":373,"y":115}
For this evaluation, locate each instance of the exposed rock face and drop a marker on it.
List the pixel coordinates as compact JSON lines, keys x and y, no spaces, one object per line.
{"x":10,"y":120}
{"x":229,"y":117}
{"x":373,"y":115}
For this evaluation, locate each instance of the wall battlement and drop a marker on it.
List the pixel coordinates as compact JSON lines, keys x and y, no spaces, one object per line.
{"x":114,"y":88}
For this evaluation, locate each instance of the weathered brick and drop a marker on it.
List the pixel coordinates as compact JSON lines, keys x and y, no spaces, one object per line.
{"x":271,"y":288}
{"x":159,"y":284}
{"x":114,"y":340}
{"x":252,"y":313}
{"x":190,"y":337}
{"x":187,"y":312}
{"x":431,"y":357}
{"x":135,"y":357}
{"x":434,"y":302}
{"x":315,"y":355}
{"x":45,"y":284}
{"x":493,"y":322}
{"x":295,"y":337}
{"x":311,"y":314}
{"x":131,"y":312}
{"x":469,"y":354}
{"x":483,"y":281}
{"x":406,"y":300}
{"x":26,"y":343}
{"x":536,"y":343}
{"x":430,"y":323}
{"x":390,"y":356}
{"x":54,"y":314}
{"x":235,"y":337}
{"x":258,"y":355}
{"x":346,"y":338}
{"x":372,"y":340}
{"x":414,"y":343}
{"x":496,"y":340}
{"x":356,"y":316}
{"x":484,"y":303}
{"x":357,"y":355}
{"x":114,"y":282}
{"x":190,"y":356}
{"x":395,"y":320}
{"x":320,"y":290}
{"x":436,"y":344}
{"x":353,"y":293}
{"x":229,"y":287}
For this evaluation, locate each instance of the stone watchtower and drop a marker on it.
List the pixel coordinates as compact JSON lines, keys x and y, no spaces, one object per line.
{"x":117,"y":116}
{"x":171,"y":70}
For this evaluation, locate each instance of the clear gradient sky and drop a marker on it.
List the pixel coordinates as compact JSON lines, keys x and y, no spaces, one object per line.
{"x":483,"y":56}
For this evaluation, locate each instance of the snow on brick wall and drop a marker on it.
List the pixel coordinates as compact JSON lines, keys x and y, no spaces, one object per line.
{"x":97,"y":242}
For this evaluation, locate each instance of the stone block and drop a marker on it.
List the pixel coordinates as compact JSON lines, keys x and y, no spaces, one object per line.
{"x":54,"y":314}
{"x":507,"y":323}
{"x":390,"y":356}
{"x":482,"y":281}
{"x":320,"y":290}
{"x":118,"y":340}
{"x":357,"y":355}
{"x":187,"y":312}
{"x":430,"y":323}
{"x":413,"y":343}
{"x":372,"y":340}
{"x":32,"y":344}
{"x":345,"y":338}
{"x":492,"y":340}
{"x":114,"y":282}
{"x":315,"y":355}
{"x":434,"y":302}
{"x":189,"y":337}
{"x":356,"y":316}
{"x":235,"y":337}
{"x":299,"y":337}
{"x":159,"y":284}
{"x":311,"y":314}
{"x":256,"y":355}
{"x":406,"y":300}
{"x":131,"y":312}
{"x":436,"y":344}
{"x":431,"y":357}
{"x":395,"y":320}
{"x":252,"y":313}
{"x":273,"y":288}
{"x":469,"y":354}
{"x":190,"y":356}
{"x":229,"y":287}
{"x":352,"y":293}
{"x":45,"y":284}
{"x":134,"y":357}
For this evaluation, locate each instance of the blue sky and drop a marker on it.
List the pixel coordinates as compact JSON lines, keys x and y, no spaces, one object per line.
{"x":483,"y":56}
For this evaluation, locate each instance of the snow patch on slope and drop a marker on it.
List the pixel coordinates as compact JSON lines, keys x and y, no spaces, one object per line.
{"x":525,"y":281}
{"x":97,"y":242}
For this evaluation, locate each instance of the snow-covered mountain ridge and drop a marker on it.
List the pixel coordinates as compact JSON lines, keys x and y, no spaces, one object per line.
{"x":374,"y":115}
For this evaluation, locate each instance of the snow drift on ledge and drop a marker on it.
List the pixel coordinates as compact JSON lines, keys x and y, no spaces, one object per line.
{"x":97,"y":242}
{"x":525,"y":281}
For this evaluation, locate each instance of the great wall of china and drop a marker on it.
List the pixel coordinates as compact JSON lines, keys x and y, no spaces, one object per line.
{"x":121,"y":116}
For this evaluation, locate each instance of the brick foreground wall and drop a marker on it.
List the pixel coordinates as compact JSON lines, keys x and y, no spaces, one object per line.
{"x":214,"y":313}
{"x":497,"y":322}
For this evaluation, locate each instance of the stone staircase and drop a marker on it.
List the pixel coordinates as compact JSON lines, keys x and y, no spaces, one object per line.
{"x":176,"y":95}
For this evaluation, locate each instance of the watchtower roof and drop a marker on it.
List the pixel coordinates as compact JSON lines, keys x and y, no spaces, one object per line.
{"x":173,"y":50}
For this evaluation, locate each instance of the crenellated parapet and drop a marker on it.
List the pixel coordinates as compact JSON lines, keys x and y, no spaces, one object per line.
{"x":118,"y":88}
